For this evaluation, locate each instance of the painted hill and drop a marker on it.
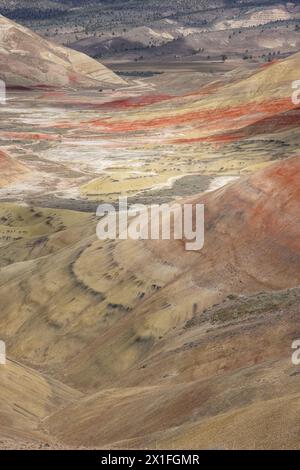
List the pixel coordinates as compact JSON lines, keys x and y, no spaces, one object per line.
{"x":29,"y":60}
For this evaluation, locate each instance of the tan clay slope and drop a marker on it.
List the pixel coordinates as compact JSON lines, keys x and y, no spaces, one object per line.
{"x":26,"y":398}
{"x":29,"y":60}
{"x":10,"y":169}
{"x":224,"y":381}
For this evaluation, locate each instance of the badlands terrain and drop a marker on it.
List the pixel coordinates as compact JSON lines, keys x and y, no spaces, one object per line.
{"x":140,"y":344}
